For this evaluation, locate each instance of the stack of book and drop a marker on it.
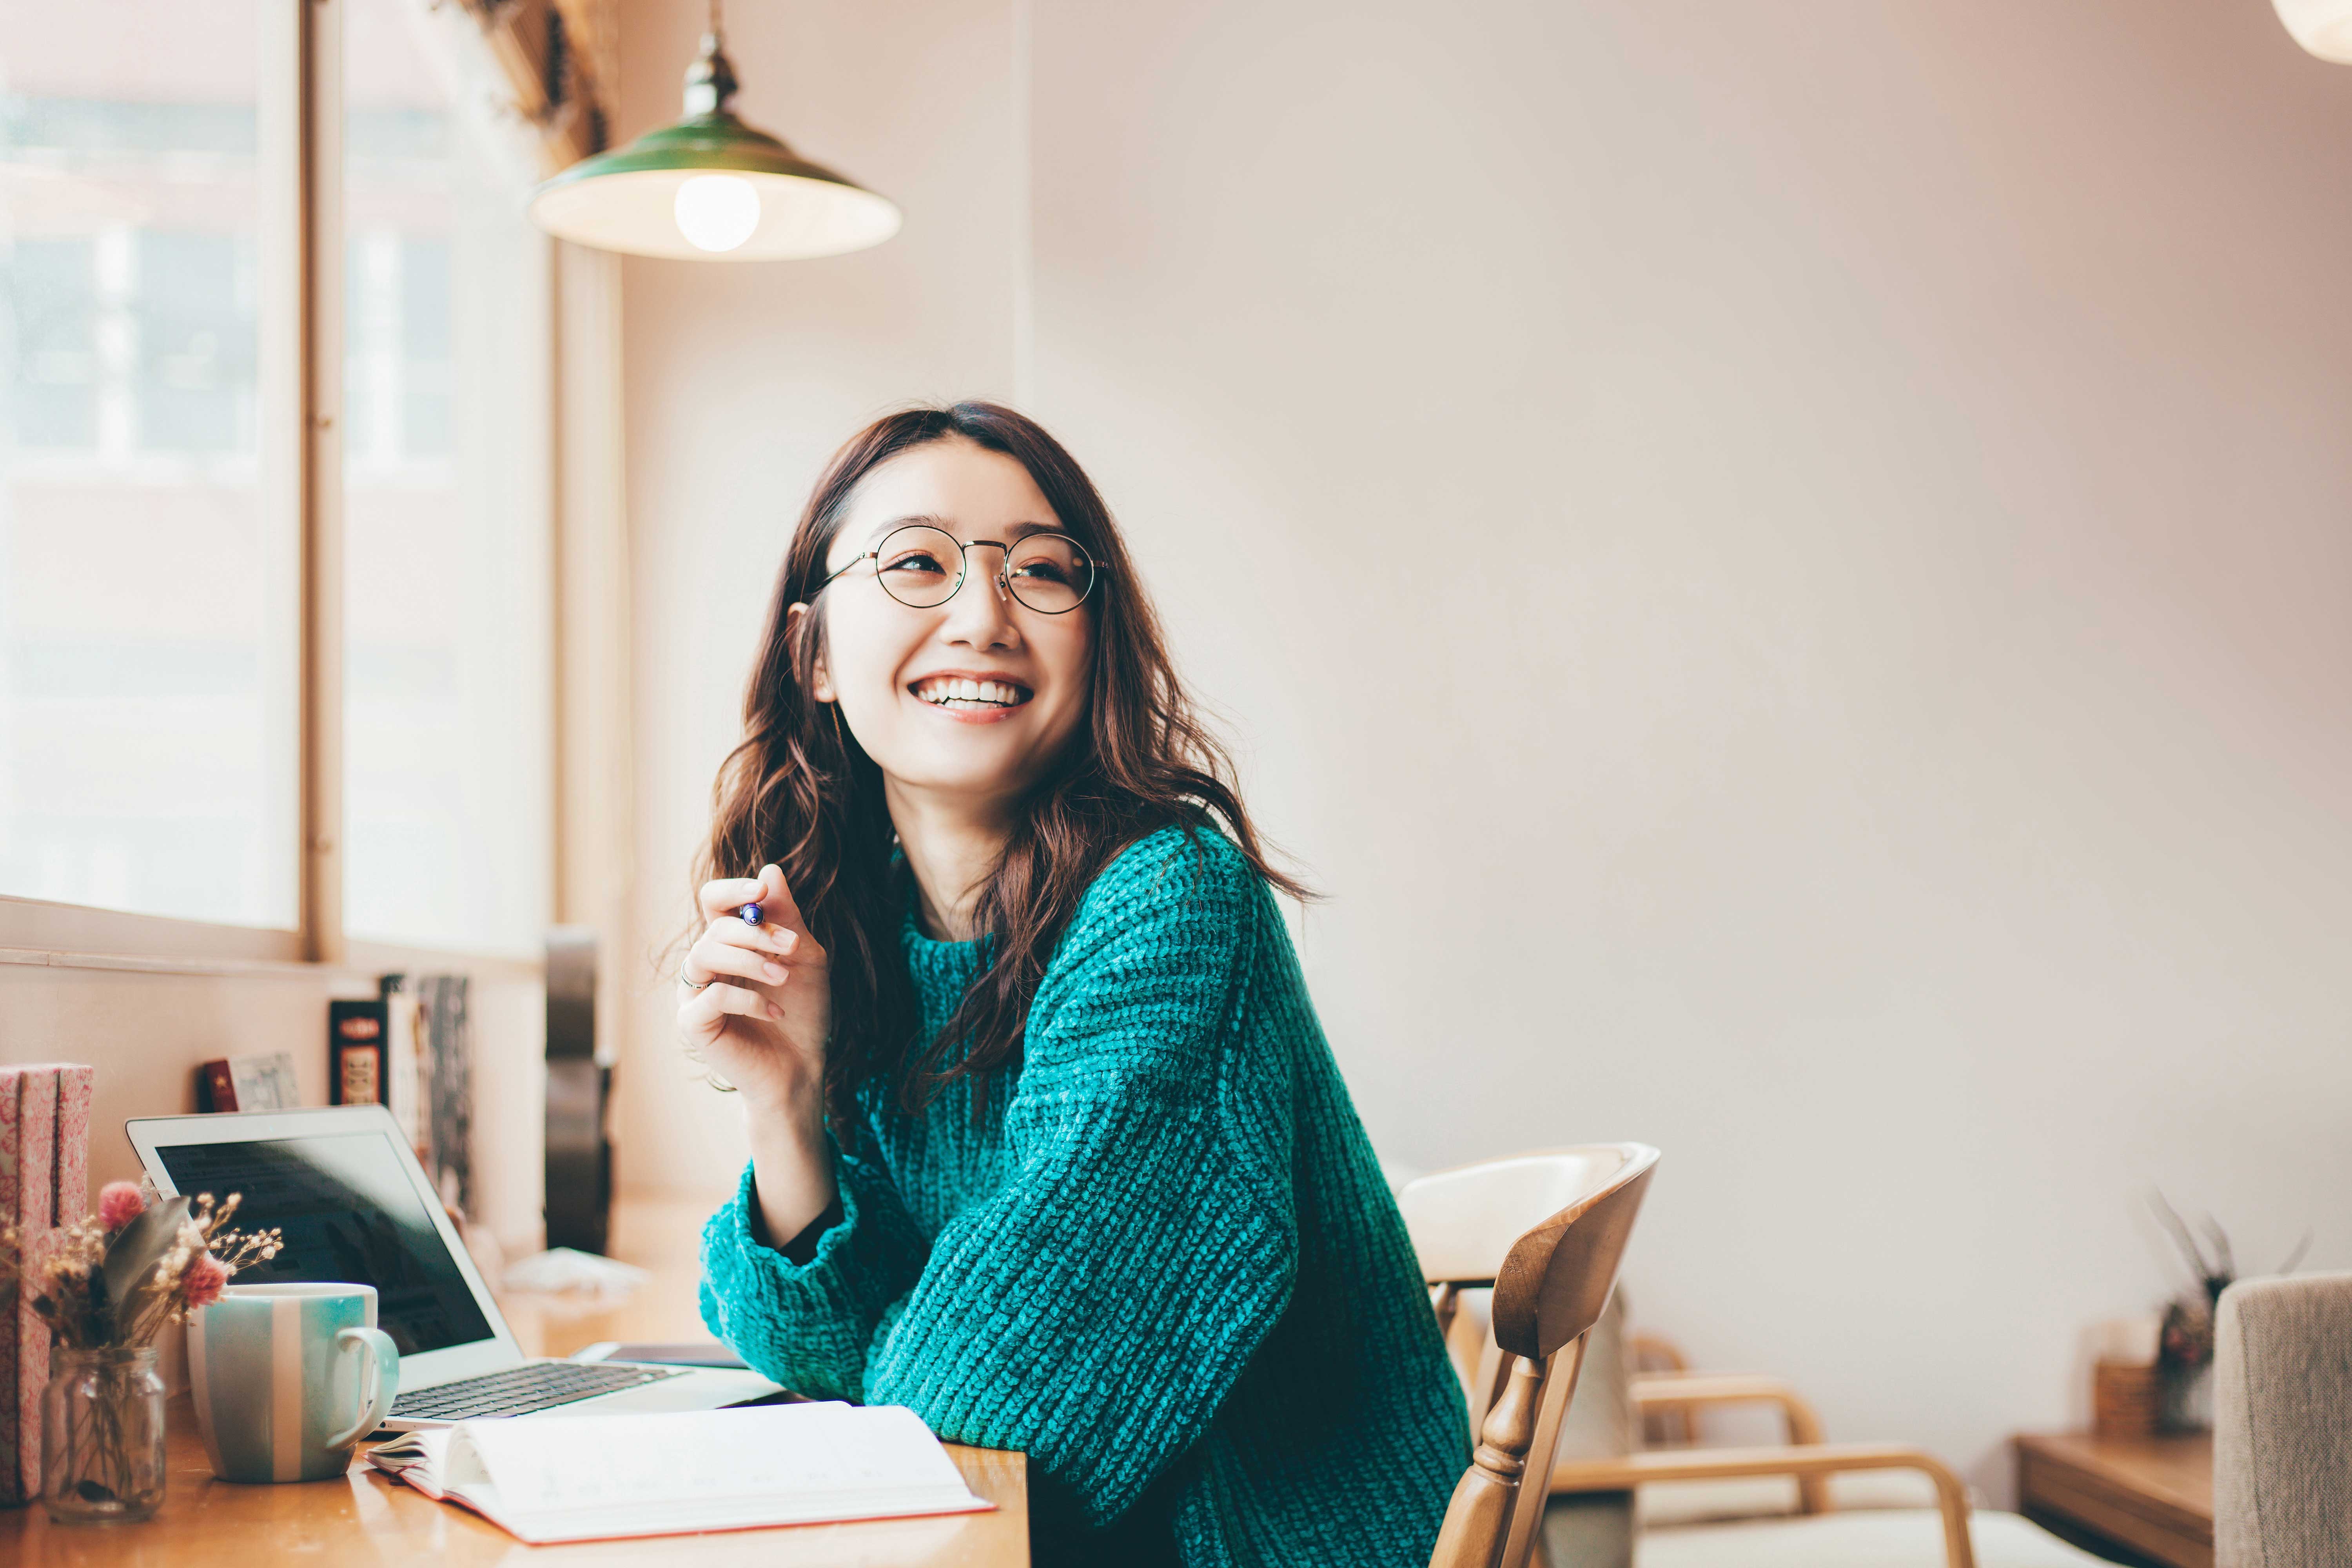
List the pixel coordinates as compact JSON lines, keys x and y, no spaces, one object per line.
{"x":44,"y":1182}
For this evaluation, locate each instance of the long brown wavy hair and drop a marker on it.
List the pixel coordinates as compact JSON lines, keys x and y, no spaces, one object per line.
{"x":800,"y":792}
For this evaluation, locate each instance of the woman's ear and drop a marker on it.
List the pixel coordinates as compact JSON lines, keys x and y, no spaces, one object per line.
{"x":796,"y":626}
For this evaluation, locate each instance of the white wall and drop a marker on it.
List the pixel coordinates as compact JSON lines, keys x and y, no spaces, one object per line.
{"x":1784,"y":568}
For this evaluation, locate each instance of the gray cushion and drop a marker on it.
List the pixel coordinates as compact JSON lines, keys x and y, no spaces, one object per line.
{"x":2283,"y":1424}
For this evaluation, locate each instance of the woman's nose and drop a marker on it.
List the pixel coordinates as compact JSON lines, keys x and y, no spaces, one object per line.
{"x":981,"y":614}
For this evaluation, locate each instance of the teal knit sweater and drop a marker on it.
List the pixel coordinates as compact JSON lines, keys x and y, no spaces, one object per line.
{"x":1160,"y":1259}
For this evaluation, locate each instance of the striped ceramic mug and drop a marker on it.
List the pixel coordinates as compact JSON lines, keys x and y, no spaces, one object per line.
{"x":286,"y":1378}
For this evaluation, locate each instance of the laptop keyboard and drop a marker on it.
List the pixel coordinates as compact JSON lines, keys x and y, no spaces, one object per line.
{"x":519,"y":1389}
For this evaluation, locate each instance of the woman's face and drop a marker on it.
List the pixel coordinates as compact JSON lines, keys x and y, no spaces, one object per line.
{"x":905,"y":678}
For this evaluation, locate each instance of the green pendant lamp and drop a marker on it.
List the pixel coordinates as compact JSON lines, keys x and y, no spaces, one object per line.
{"x":710,"y":188}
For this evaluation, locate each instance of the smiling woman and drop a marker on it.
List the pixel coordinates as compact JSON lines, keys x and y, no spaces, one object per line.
{"x":1047,"y":1142}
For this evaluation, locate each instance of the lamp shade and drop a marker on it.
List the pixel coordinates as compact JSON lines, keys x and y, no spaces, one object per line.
{"x":2322,"y":26}
{"x":711,"y":188}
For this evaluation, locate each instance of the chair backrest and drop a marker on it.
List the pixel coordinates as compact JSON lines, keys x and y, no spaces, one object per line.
{"x":2283,"y":1423}
{"x":1547,"y":1231}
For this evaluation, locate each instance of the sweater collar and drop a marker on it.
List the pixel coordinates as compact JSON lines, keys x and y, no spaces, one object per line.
{"x":939,"y":968}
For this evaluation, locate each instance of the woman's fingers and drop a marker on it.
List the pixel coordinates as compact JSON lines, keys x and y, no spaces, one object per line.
{"x":711,"y":960}
{"x":728,"y":894}
{"x":762,"y":937}
{"x":730,"y":947}
{"x":780,"y":913}
{"x":776,"y":904}
{"x":709,"y":1008}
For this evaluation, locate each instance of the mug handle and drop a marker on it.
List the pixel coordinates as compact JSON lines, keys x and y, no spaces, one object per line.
{"x":379,"y":1380}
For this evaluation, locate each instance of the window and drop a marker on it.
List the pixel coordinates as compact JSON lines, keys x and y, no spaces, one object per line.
{"x":446,"y":368}
{"x":160,"y":473}
{"x":149,"y":601}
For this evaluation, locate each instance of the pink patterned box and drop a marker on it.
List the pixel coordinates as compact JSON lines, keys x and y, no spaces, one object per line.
{"x":44,"y":1180}
{"x":12,"y":1149}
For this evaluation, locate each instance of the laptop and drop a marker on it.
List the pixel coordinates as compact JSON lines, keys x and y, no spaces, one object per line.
{"x":355,"y":1205}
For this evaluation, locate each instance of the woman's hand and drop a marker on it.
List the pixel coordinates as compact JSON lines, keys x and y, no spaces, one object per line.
{"x":761,"y":1023}
{"x":760,"y":1020}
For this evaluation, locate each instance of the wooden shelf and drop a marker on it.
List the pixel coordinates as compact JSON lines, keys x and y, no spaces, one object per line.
{"x":2150,"y":1497}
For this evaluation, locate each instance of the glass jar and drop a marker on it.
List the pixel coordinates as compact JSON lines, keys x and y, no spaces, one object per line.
{"x":102,"y":1435}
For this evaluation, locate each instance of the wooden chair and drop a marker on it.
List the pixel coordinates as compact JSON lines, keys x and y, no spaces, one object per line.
{"x":1806,"y":1457}
{"x":1726,"y":1523}
{"x":1547,"y":1231}
{"x":1646,"y":1354}
{"x":1673,"y":1396}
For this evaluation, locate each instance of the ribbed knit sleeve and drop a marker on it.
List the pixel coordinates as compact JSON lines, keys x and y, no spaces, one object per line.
{"x":809,"y":1326}
{"x":1094,"y":1310}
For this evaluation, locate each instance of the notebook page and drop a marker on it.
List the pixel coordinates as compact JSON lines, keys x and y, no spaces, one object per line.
{"x":774,"y":1462}
{"x":416,"y":1458}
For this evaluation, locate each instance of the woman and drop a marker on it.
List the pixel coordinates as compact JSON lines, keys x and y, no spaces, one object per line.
{"x":1046,"y":1143}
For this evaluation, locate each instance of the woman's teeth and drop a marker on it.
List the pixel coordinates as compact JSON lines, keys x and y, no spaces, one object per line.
{"x":947,"y":691}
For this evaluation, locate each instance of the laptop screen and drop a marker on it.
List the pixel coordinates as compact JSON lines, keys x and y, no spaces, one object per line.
{"x":350,"y":1215}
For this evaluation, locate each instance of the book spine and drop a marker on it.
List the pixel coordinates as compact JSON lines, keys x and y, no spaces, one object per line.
{"x":215,"y":1087}
{"x":74,"y":1083}
{"x":69,"y":1202}
{"x":37,"y":1178}
{"x":11,"y":1149}
{"x":429,"y":1076}
{"x":400,"y":1061}
{"x":452,"y":1089}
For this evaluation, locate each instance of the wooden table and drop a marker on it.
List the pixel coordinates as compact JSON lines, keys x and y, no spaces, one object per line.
{"x":2151,"y":1496}
{"x":366,"y":1518}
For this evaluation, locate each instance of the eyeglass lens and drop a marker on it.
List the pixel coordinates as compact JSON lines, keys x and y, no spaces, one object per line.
{"x":921,"y":566}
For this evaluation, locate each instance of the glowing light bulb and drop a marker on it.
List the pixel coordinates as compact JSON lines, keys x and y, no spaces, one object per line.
{"x":717,"y":212}
{"x":2322,"y":26}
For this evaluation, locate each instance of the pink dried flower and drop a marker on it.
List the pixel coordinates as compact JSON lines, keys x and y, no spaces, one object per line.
{"x":203,"y":1280}
{"x":119,"y":1203}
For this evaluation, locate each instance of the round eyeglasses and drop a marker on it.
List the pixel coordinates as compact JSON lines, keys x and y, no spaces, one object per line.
{"x":922,"y":566}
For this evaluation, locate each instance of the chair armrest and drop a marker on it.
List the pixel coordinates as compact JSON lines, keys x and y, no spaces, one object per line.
{"x":1639,"y":1348}
{"x":1686,"y":1390}
{"x":1810,"y":1460}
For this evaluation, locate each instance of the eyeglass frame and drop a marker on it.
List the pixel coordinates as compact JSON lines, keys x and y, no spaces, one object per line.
{"x":1096,"y":571}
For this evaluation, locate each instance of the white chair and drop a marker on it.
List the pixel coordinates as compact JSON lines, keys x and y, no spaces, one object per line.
{"x":1544,"y":1234}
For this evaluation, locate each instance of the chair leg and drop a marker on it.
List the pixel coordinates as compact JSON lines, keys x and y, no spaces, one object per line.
{"x":1523,"y":1537}
{"x":1481,"y":1509}
{"x":1479,"y":1530}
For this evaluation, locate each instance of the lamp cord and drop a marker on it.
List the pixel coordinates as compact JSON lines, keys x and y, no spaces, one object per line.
{"x":715,"y":29}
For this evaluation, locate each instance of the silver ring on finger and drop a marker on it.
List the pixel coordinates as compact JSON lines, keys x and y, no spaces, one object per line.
{"x":692,"y":984}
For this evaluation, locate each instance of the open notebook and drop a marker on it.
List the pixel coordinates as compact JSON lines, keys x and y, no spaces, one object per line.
{"x":553,"y":1478}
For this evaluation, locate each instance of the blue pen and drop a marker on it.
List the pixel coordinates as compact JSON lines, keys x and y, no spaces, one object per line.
{"x":750,"y":913}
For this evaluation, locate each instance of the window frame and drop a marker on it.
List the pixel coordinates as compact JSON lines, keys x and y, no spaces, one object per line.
{"x":298,"y":108}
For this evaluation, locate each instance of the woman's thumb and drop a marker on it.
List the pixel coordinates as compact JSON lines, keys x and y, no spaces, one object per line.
{"x":776,"y":905}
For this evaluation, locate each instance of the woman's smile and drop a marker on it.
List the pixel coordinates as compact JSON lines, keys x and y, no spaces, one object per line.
{"x":971,"y":697}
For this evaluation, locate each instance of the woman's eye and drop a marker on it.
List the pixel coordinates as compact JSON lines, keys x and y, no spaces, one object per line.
{"x":1042,"y":570}
{"x":916,"y":561}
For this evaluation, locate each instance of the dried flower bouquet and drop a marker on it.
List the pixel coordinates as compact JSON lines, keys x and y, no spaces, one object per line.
{"x":107,"y":1286}
{"x":119,"y":1278}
